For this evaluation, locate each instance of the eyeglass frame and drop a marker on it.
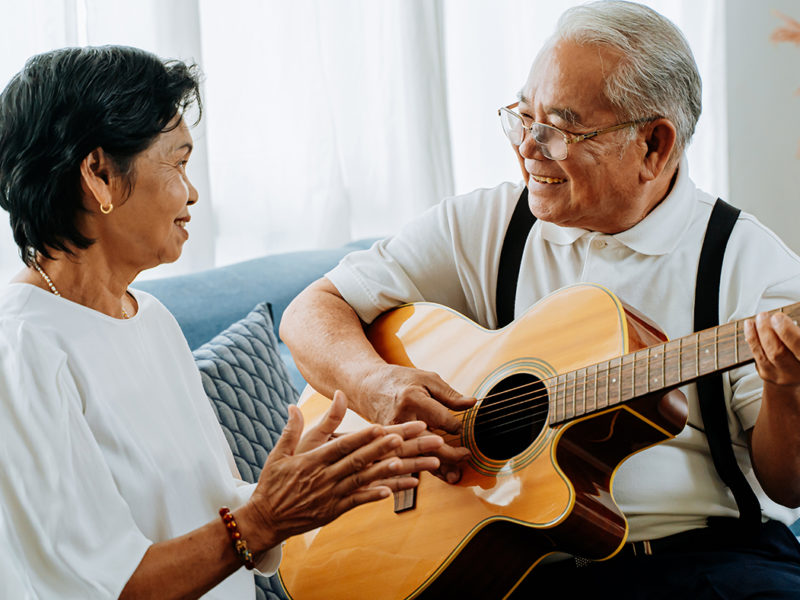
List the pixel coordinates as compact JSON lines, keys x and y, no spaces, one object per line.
{"x":567,"y":139}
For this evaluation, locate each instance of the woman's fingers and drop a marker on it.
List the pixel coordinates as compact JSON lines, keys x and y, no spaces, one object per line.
{"x":310,"y":480}
{"x":383,"y":470}
{"x":290,"y":437}
{"x":407,"y":430}
{"x":362,"y":496}
{"x":397,"y":484}
{"x":323,"y":431}
{"x":359,"y":458}
{"x":424,"y":444}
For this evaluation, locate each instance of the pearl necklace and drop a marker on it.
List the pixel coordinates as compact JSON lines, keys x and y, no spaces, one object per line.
{"x":53,"y":289}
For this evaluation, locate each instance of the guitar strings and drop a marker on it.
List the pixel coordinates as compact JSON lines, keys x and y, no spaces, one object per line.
{"x":501,"y":407}
{"x":680,"y":352}
{"x":695,"y":348}
{"x":571,"y":386}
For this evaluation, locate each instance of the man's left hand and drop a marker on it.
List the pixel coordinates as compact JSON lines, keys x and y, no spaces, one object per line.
{"x":775,"y":343}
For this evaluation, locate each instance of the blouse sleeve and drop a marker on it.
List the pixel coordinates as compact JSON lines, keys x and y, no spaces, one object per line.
{"x":270,"y":560}
{"x":14,"y":581}
{"x":72,"y":532}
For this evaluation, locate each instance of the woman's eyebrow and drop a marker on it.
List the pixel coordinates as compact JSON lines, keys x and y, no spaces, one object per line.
{"x":188,"y":145}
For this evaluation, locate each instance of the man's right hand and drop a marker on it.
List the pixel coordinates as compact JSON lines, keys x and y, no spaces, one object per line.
{"x":393,"y":394}
{"x":327,"y":340}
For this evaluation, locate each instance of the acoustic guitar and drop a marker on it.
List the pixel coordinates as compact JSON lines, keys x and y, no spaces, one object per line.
{"x":565,"y":394}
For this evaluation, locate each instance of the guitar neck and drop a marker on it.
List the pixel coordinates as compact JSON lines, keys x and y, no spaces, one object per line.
{"x":656,"y":369}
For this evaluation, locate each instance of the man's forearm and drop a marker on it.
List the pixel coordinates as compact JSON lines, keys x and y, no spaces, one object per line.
{"x":775,"y":444}
{"x":328,"y":344}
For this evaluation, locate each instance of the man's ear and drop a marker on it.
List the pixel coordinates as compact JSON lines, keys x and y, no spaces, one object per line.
{"x":99,"y":179}
{"x":660,"y":136}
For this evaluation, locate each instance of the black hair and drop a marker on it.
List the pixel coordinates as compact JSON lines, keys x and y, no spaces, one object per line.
{"x":66,"y":103}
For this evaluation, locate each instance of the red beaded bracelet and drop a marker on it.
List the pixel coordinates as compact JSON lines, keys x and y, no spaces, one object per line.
{"x":236,"y":537}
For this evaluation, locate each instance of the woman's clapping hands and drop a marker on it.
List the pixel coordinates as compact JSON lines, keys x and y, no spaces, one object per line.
{"x":308,"y":481}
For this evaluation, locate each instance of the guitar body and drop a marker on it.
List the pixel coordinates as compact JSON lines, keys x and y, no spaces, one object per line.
{"x":532,"y":488}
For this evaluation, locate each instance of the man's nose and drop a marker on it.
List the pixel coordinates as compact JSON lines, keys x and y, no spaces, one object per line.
{"x":530,"y":148}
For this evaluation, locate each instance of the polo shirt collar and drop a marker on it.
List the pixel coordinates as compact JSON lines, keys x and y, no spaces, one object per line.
{"x":658,"y":233}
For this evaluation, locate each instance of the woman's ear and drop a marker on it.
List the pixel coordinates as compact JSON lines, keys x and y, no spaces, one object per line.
{"x":99,"y":179}
{"x":660,"y":136}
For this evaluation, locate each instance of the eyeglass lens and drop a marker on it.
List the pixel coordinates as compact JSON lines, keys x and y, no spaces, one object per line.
{"x":550,"y":141}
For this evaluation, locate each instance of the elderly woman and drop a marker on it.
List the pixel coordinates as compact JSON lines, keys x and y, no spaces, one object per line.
{"x":114,"y":473}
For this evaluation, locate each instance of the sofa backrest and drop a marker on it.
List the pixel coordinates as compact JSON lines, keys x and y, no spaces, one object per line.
{"x":206,"y":302}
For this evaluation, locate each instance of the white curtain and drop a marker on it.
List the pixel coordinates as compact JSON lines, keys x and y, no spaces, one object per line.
{"x":327,"y":120}
{"x":332,"y":120}
{"x":28,"y":28}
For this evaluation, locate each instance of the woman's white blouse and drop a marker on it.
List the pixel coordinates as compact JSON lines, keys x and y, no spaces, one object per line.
{"x":107,"y":444}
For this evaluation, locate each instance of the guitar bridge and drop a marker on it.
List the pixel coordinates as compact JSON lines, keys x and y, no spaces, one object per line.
{"x":406,"y":500}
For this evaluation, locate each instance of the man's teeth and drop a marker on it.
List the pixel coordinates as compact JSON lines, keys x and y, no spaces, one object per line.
{"x":181,"y":224}
{"x":539,"y":179}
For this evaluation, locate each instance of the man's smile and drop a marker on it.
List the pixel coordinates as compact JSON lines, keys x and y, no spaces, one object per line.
{"x":542,"y":179}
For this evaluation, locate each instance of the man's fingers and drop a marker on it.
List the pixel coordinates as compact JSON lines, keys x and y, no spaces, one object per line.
{"x":451,"y":454}
{"x":452,"y":460}
{"x":442,"y":392}
{"x":449,"y":472}
{"x":778,"y":353}
{"x":751,"y":335}
{"x":437,"y":416}
{"x":787,"y":331}
{"x":775,"y":344}
{"x":770,"y":341}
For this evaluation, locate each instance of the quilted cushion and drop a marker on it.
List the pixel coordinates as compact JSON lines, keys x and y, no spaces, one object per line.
{"x":250,"y":390}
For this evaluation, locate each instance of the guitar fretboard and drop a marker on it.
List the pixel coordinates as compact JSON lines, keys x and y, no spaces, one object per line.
{"x":658,"y":368}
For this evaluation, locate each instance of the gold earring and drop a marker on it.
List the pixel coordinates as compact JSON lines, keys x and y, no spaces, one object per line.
{"x":106,"y":209}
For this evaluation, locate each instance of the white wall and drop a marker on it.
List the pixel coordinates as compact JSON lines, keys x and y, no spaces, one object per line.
{"x":764,"y":116}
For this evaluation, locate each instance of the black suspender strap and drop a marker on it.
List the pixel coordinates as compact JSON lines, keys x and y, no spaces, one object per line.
{"x":511,"y":258}
{"x":710,"y":391}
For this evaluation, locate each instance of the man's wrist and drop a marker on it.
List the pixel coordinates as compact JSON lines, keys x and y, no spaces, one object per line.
{"x":363,"y":395}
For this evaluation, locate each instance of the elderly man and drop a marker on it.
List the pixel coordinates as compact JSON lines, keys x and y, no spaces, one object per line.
{"x":600,"y":130}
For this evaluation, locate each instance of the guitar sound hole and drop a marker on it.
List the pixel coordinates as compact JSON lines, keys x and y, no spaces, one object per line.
{"x":511,"y":416}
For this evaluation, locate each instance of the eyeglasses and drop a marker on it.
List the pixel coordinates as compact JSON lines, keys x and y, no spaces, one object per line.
{"x":552,"y":142}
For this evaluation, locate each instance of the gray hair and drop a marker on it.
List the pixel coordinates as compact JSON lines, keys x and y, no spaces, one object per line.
{"x":657,"y":75}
